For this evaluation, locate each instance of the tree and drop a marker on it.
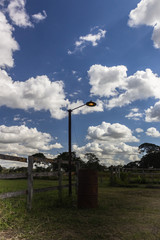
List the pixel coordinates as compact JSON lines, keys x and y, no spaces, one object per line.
{"x":93,"y":162}
{"x":39,"y":155}
{"x":151,"y":157}
{"x":41,"y":160}
{"x":134,"y":164}
{"x":148,"y":148}
{"x":65,"y":156}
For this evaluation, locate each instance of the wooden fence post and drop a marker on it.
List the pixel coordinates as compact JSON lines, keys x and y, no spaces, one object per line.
{"x":60,"y":179}
{"x":30,"y":183}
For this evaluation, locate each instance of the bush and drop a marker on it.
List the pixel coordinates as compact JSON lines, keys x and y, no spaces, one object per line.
{"x":119,"y":181}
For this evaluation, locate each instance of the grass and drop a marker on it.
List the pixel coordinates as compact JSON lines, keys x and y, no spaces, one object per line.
{"x":123,"y":213}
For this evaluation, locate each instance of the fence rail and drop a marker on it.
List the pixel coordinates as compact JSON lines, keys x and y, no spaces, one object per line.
{"x":30,"y":175}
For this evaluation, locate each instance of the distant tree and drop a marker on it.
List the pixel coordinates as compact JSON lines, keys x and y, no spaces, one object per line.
{"x":147,"y":148}
{"x":151,"y":157}
{"x":93,"y":162}
{"x":65,"y":157}
{"x":39,"y":155}
{"x":1,"y":168}
{"x":41,"y":160}
{"x":134,"y":164}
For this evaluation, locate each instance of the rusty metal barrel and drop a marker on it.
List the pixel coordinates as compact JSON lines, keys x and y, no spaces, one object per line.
{"x":87,"y":188}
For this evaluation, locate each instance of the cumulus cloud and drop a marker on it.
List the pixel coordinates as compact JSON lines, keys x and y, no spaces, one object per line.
{"x":109,"y":154}
{"x":38,"y":93}
{"x":105,"y":80}
{"x":139,"y":130}
{"x":147,"y":13}
{"x":108,"y":142}
{"x":113,"y":82}
{"x":18,"y":14}
{"x":111,"y":132}
{"x":22,"y":140}
{"x":153,"y":113}
{"x":39,"y":16}
{"x":153,"y":132}
{"x":7,"y":43}
{"x":92,"y":38}
{"x":134,"y":114}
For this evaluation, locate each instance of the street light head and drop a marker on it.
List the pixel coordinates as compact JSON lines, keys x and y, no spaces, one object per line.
{"x":91,"y":104}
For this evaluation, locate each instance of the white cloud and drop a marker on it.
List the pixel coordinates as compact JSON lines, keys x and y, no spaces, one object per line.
{"x":108,"y":142}
{"x":111,"y":132}
{"x":22,"y":140}
{"x":153,"y":113}
{"x":2,"y":2}
{"x":153,"y":132}
{"x":18,"y":14}
{"x":113,"y":82}
{"x":105,"y":80}
{"x":92,"y":38}
{"x":39,"y":16}
{"x":38,"y":93}
{"x":109,"y":153}
{"x":134,"y":114}
{"x":147,"y":13}
{"x":7,"y":43}
{"x":139,"y":130}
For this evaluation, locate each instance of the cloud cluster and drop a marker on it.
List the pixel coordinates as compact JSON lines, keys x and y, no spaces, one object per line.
{"x":147,"y":13}
{"x":113,"y":82}
{"x":139,"y":130}
{"x":39,"y":16}
{"x":22,"y":140}
{"x":153,"y":132}
{"x":153,"y":113}
{"x":108,"y":142}
{"x":105,"y":80}
{"x":18,"y":14}
{"x":7,"y":43}
{"x":134,"y":114}
{"x":38,"y":93}
{"x":111,"y":133}
{"x":92,"y":38}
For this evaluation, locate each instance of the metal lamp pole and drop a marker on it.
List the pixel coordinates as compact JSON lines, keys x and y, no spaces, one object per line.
{"x":89,"y":104}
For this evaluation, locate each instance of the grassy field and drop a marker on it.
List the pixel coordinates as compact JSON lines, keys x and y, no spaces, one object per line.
{"x":123,"y":213}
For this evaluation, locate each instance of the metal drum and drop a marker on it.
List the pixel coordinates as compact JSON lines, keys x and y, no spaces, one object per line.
{"x":87,"y":188}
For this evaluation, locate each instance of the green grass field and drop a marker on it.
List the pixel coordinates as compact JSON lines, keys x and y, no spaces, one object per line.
{"x":123,"y":213}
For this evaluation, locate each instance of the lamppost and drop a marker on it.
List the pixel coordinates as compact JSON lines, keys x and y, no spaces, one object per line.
{"x":89,"y":104}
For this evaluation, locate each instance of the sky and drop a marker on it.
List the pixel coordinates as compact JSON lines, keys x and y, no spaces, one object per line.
{"x":56,"y":55}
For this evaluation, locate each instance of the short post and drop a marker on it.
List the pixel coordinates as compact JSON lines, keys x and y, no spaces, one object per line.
{"x":30,"y":183}
{"x":60,"y":179}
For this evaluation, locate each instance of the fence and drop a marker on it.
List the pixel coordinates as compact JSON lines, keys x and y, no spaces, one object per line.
{"x":136,"y":175}
{"x":30,"y":176}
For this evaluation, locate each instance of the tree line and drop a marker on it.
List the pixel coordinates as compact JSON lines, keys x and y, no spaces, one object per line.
{"x":150,"y":159}
{"x":91,"y":162}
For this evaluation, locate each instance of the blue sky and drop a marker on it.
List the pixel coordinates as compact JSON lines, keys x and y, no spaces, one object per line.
{"x":56,"y":55}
